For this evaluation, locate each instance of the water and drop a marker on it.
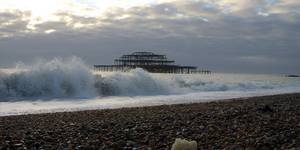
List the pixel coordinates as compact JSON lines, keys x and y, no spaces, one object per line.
{"x":69,"y":85}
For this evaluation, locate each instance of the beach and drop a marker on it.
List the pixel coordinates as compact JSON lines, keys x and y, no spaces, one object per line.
{"x":149,"y":75}
{"x":259,"y":122}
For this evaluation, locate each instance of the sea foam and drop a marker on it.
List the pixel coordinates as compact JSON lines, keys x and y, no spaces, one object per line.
{"x":55,"y":78}
{"x":71,"y":78}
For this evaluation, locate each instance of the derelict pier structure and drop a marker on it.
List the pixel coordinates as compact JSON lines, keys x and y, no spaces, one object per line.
{"x":148,"y":61}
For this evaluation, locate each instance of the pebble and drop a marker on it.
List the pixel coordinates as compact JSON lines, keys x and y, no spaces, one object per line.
{"x":270,"y":122}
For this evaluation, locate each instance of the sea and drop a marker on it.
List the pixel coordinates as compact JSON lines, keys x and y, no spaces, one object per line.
{"x":61,"y":85}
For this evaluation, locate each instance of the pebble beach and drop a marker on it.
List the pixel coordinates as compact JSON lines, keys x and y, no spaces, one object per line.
{"x":267,"y":122}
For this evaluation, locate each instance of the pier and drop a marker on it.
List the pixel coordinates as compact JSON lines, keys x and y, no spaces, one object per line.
{"x":150,"y":62}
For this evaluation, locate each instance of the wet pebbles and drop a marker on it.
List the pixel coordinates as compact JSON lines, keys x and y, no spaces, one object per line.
{"x":270,"y":122}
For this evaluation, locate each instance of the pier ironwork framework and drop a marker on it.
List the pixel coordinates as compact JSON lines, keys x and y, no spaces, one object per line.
{"x":148,"y":61}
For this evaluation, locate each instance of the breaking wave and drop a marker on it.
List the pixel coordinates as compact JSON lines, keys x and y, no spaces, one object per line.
{"x":71,"y":78}
{"x":56,"y":78}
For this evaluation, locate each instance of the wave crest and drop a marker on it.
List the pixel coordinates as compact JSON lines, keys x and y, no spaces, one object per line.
{"x":69,"y":78}
{"x":56,"y":78}
{"x":136,"y":82}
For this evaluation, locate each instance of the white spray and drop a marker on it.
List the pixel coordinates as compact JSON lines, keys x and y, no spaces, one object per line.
{"x":71,"y":78}
{"x":56,"y":78}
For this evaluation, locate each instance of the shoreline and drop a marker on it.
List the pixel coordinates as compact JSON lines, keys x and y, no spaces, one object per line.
{"x":238,"y":123}
{"x":102,"y":105}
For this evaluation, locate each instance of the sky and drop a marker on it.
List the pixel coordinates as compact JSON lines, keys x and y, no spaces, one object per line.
{"x":246,"y":36}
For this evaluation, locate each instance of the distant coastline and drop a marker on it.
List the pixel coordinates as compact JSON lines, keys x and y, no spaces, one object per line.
{"x":293,"y":76}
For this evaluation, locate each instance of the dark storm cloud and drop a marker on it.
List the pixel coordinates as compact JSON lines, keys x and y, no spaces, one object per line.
{"x":249,"y":36}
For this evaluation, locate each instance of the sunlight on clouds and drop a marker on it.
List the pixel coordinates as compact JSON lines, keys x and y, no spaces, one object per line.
{"x":40,"y":8}
{"x":235,"y":6}
{"x":40,"y":11}
{"x":104,"y":4}
{"x":43,"y":11}
{"x":50,"y":31}
{"x":142,"y":16}
{"x":37,"y":8}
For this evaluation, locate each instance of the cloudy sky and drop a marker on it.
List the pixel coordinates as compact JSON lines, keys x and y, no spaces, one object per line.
{"x":256,"y":36}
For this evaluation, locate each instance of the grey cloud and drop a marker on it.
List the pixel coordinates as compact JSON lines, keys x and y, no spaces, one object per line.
{"x":215,"y":54}
{"x":75,"y":18}
{"x":236,"y":41}
{"x":13,"y":22}
{"x":220,"y":25}
{"x":182,"y":18}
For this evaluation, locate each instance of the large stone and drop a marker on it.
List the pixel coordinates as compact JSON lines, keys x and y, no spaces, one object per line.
{"x":182,"y":144}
